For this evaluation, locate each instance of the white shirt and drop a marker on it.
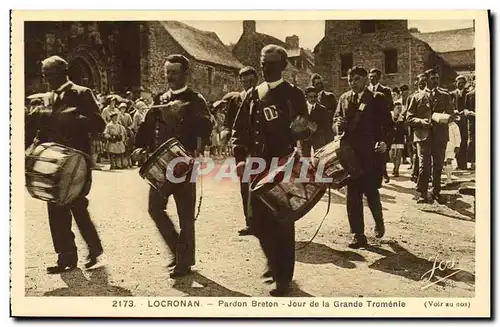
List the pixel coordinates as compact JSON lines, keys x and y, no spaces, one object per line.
{"x":179,"y":90}
{"x":310,"y":107}
{"x":374,"y":87}
{"x":275,"y":84}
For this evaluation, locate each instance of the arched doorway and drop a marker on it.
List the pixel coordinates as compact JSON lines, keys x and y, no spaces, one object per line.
{"x":80,"y":72}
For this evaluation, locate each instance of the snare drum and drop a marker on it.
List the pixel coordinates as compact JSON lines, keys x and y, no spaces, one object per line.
{"x":56,"y":173}
{"x":339,"y":163}
{"x":288,"y":200}
{"x":155,"y":168}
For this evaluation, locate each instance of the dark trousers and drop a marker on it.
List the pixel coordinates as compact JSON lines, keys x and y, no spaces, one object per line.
{"x":277,"y":240}
{"x":244,"y":190}
{"x":471,"y":149}
{"x":428,"y":150}
{"x":355,"y":191}
{"x":181,"y":244}
{"x":461,"y":156}
{"x":414,"y":160}
{"x":60,"y":219}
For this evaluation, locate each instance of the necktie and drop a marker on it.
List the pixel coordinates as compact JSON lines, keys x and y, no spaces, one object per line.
{"x":355,"y":98}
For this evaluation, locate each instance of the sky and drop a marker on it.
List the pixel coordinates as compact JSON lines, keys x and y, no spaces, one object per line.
{"x":309,"y":32}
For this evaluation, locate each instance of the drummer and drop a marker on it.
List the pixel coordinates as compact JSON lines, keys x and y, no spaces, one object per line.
{"x":65,"y":129}
{"x":266,"y":133}
{"x":188,"y":120}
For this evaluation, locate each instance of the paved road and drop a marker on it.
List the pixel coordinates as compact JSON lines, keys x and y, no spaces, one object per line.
{"x":230,"y":265}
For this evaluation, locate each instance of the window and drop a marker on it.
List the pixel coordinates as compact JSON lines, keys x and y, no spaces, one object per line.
{"x":210,"y":75}
{"x":345,"y":63}
{"x":391,"y":61}
{"x":367,"y":26}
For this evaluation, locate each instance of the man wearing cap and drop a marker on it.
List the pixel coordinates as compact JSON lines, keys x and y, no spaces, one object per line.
{"x":361,"y":117}
{"x":75,"y":115}
{"x":459,"y":96}
{"x":248,"y":79}
{"x":271,"y":119}
{"x":186,"y":118}
{"x":430,"y":134}
{"x":327,"y":100}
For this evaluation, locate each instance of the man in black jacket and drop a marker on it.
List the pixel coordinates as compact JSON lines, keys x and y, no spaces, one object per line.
{"x":72,"y":117}
{"x":323,"y":120}
{"x":248,"y":80}
{"x":188,"y":120}
{"x":269,"y":123}
{"x":375,"y":86}
{"x":362,"y":118}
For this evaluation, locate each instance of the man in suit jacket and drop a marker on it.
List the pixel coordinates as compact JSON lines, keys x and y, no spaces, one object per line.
{"x":73,"y":116}
{"x":430,"y":135}
{"x":361,"y":118}
{"x":248,"y":80}
{"x":189,"y":121}
{"x":459,"y":96}
{"x":375,"y":86}
{"x":326,"y":99}
{"x":321,"y":117}
{"x":470,"y":112}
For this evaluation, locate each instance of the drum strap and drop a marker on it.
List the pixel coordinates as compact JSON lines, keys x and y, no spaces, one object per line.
{"x":199,"y":201}
{"x":321,"y":224}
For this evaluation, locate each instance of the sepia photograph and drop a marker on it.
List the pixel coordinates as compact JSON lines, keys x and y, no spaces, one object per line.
{"x":263,"y":167}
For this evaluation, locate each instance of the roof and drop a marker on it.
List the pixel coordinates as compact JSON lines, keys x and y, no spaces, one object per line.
{"x":459,"y":58}
{"x":447,"y":41}
{"x":201,"y":45}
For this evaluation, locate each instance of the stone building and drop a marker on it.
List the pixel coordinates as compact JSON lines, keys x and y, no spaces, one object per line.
{"x":454,"y":46}
{"x":384,"y":44}
{"x":121,"y":56}
{"x":300,"y":63}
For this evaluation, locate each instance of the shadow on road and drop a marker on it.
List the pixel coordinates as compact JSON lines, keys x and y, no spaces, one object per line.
{"x":316,"y":253}
{"x":400,"y":189}
{"x":195,"y":284}
{"x":403,"y":263}
{"x":96,"y":285}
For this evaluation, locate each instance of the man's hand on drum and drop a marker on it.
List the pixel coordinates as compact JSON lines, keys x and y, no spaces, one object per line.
{"x":380,"y":147}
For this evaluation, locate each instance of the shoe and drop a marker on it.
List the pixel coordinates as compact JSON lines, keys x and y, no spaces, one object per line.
{"x":93,"y":259}
{"x":387,"y":179}
{"x":172,"y":264}
{"x":177,"y":273}
{"x":358,"y":242}
{"x":379,"y":230}
{"x":267,"y":274}
{"x":60,"y":268}
{"x":246,"y":231}
{"x":395,"y":174}
{"x":421,"y":199}
{"x":281,"y":289}
{"x":439,"y":199}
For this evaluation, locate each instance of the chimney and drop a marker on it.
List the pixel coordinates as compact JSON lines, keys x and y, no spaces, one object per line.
{"x":249,"y":27}
{"x":413,"y":30}
{"x":292,"y":42}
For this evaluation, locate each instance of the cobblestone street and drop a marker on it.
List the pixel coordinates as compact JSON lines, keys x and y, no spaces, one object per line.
{"x":231,"y":265}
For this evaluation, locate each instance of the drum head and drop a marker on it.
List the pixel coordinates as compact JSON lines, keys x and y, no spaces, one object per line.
{"x":73,"y":177}
{"x":153,"y":157}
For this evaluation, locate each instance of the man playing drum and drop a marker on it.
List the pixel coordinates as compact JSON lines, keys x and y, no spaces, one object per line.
{"x":75,"y":114}
{"x":265,"y":132}
{"x":188,"y":120}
